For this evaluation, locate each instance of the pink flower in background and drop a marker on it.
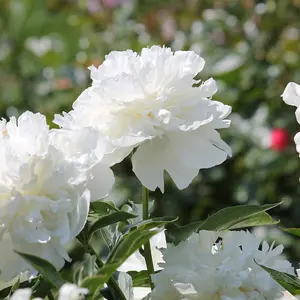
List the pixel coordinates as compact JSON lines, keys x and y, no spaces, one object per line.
{"x":279,"y":139}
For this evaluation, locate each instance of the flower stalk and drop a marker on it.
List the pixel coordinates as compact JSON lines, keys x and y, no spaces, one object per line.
{"x":112,"y":283}
{"x":147,"y":248}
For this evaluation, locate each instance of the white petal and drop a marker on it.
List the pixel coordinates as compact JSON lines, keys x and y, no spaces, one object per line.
{"x":21,"y":294}
{"x":100,"y":181}
{"x":79,"y":216}
{"x":291,"y":94}
{"x":147,"y":164}
{"x":140,"y":292}
{"x":297,"y":141}
{"x":13,"y":265}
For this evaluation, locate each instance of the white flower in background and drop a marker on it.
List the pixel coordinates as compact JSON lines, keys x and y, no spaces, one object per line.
{"x":68,"y":291}
{"x":256,"y":127}
{"x":136,"y":261}
{"x":291,"y":96}
{"x":219,"y":266}
{"x":150,"y":101}
{"x":44,"y":194}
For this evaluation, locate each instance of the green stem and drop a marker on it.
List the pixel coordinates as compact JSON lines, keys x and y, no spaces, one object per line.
{"x":112,"y":283}
{"x":147,"y":248}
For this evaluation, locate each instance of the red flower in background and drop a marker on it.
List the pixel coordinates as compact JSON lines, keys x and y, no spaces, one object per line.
{"x":279,"y":139}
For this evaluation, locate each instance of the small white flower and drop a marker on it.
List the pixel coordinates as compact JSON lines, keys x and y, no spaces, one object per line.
{"x":22,"y":294}
{"x":44,"y":194}
{"x":72,"y":292}
{"x":68,"y":291}
{"x":152,"y":101}
{"x":219,"y":266}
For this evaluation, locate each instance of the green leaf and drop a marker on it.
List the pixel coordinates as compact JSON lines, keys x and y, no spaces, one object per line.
{"x":293,"y":231}
{"x":239,"y":217}
{"x":103,"y":207}
{"x":132,"y":240}
{"x":93,"y":283}
{"x":106,"y":220}
{"x":234,"y":217}
{"x":176,"y":234}
{"x":140,"y":279}
{"x":289,"y":282}
{"x":44,"y":268}
{"x":87,"y":268}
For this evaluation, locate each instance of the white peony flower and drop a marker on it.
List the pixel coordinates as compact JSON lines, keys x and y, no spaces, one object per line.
{"x":291,"y":96}
{"x":152,"y":101}
{"x":219,"y":266}
{"x":44,"y":194}
{"x":68,"y":291}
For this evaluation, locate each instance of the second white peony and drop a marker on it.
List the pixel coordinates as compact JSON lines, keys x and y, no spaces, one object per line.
{"x":218,"y":266}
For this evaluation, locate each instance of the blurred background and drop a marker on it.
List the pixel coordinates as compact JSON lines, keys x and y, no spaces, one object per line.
{"x":251,"y":48}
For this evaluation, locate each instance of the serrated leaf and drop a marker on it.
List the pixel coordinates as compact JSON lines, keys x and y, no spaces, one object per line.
{"x":106,"y":220}
{"x":45,"y":268}
{"x":289,"y":282}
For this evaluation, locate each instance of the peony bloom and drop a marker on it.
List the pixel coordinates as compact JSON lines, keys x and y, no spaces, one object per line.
{"x":45,"y":193}
{"x":67,"y":292}
{"x":153,"y":103}
{"x":219,"y":266}
{"x":291,"y":96}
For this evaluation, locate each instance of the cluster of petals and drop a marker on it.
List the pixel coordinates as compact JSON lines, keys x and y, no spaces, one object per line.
{"x":46,"y":185}
{"x":291,"y":96}
{"x":67,"y":291}
{"x":153,"y":102}
{"x":220,"y":266}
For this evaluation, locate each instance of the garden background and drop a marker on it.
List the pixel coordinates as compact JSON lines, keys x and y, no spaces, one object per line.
{"x":251,"y":48}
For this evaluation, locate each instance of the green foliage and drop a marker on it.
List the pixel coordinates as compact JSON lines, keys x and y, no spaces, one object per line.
{"x":108,"y":220}
{"x":45,"y":47}
{"x":236,"y":217}
{"x":289,"y":282}
{"x":45,"y":268}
